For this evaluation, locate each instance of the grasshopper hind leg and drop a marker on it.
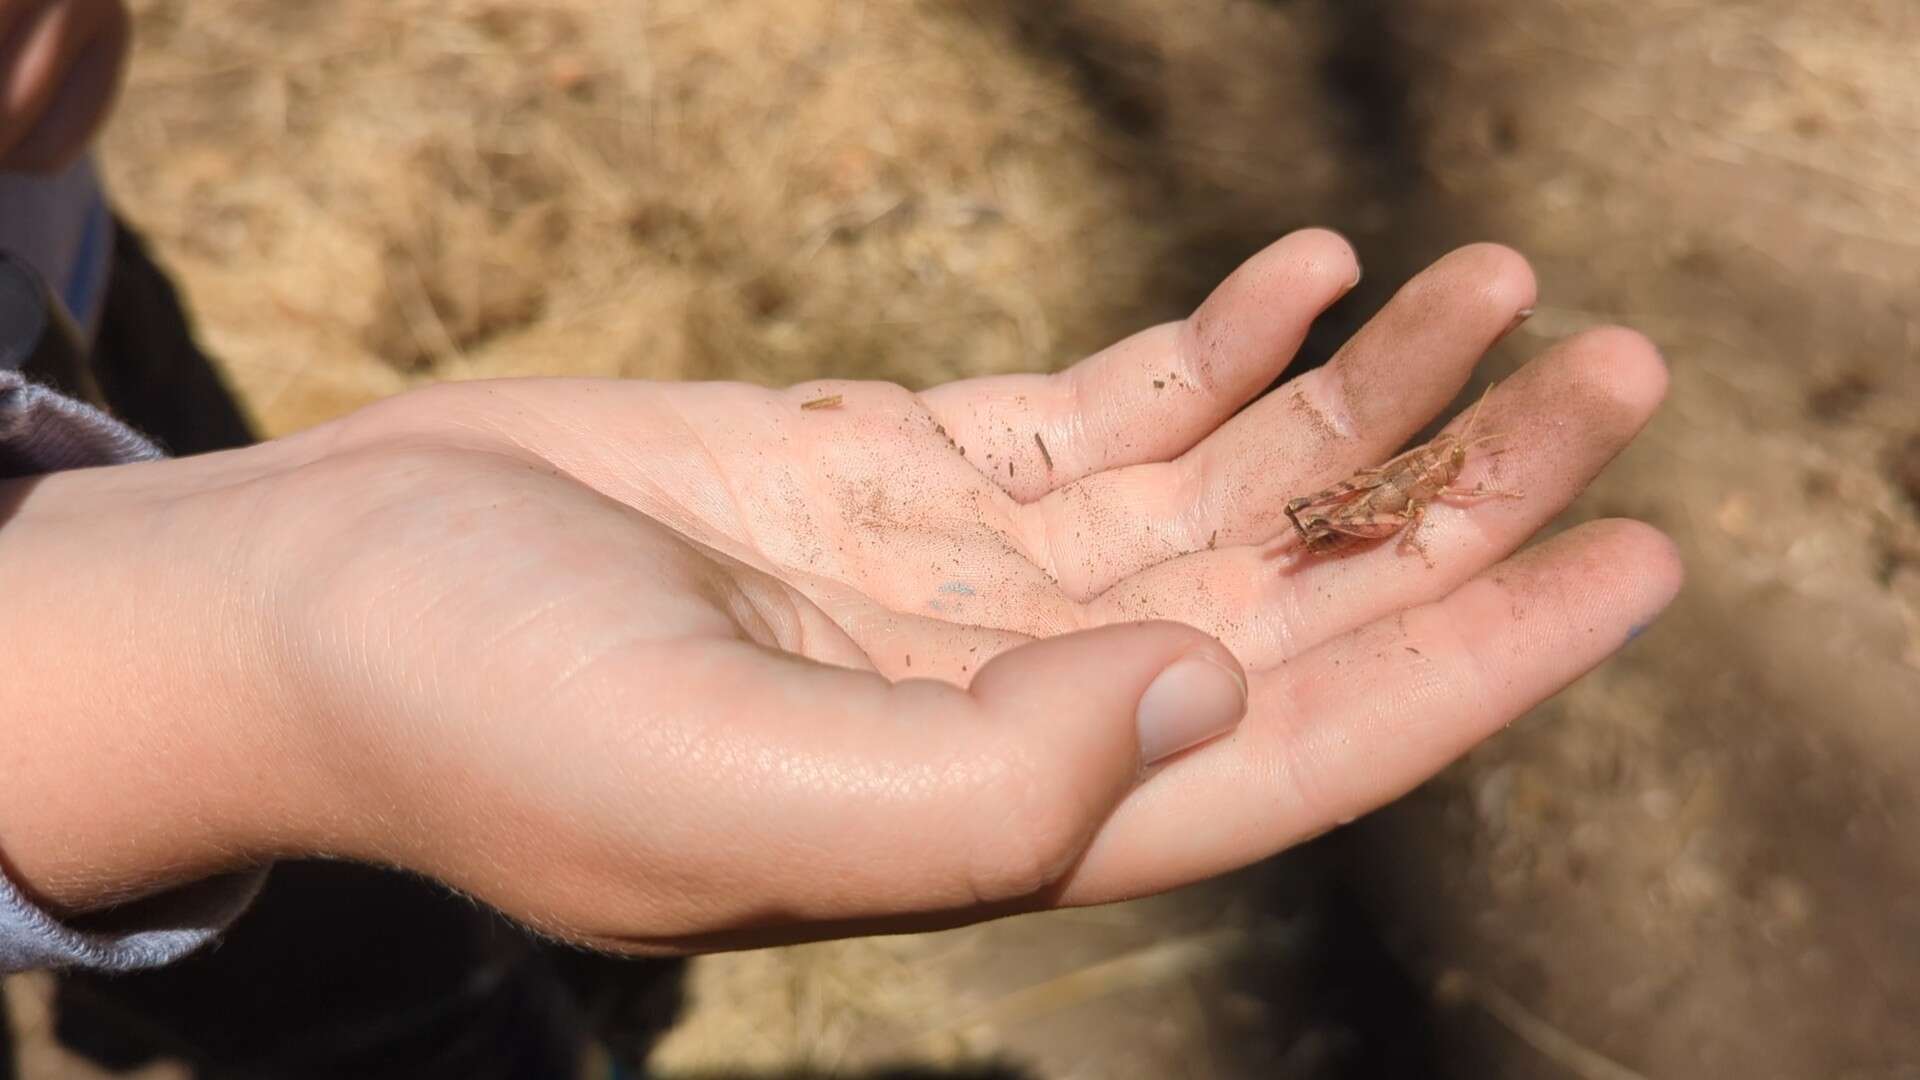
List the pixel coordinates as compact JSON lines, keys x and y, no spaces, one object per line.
{"x":1416,"y":517}
{"x":1479,"y":491}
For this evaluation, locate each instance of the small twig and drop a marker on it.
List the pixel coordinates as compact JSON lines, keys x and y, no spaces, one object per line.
{"x":1151,"y":966}
{"x":1551,"y":1042}
{"x":429,"y":330}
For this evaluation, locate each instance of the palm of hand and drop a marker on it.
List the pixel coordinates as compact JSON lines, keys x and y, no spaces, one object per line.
{"x":911,"y":551}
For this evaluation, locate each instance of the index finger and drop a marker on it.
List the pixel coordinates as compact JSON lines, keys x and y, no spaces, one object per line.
{"x":1158,"y":393}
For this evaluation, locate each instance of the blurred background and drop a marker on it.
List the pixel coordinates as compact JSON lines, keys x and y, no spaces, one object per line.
{"x":1701,"y":861}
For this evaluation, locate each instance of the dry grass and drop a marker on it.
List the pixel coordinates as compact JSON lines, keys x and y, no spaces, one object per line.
{"x":388,"y":193}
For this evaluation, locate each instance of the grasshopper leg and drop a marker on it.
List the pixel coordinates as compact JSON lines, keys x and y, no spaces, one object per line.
{"x":1478,"y":491}
{"x":1416,"y":515}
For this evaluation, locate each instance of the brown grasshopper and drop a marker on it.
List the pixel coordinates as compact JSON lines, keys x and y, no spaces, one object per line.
{"x":1376,"y":503}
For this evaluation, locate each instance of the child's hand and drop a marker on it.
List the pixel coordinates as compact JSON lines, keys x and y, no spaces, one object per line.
{"x":674,"y":666}
{"x":60,"y":64}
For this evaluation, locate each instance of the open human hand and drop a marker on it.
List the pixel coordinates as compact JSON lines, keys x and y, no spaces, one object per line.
{"x":672,"y":666}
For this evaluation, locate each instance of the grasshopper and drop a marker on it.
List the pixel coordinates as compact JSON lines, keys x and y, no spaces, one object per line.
{"x":1376,"y":503}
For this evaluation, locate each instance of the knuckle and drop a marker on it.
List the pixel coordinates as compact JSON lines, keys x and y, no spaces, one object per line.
{"x":1326,"y":399}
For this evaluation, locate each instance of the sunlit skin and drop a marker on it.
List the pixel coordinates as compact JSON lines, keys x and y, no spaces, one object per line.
{"x":660,"y":667}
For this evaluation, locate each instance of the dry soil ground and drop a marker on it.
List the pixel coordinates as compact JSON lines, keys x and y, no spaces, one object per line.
{"x":1699,"y":862}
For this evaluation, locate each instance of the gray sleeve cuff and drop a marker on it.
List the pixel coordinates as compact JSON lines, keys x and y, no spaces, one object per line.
{"x":153,"y":932}
{"x":42,"y":432}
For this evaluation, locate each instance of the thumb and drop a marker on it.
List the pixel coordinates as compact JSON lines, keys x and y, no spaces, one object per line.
{"x":1036,"y":754}
{"x":803,"y":800}
{"x":1177,"y":686}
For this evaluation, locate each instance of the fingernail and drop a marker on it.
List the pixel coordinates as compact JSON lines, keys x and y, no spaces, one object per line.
{"x":1519,"y":317}
{"x":1193,"y":700}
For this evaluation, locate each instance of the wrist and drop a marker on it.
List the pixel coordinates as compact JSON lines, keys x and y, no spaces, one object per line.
{"x":140,"y":748}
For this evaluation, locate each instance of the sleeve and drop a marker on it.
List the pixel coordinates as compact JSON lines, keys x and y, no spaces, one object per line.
{"x":40,"y":432}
